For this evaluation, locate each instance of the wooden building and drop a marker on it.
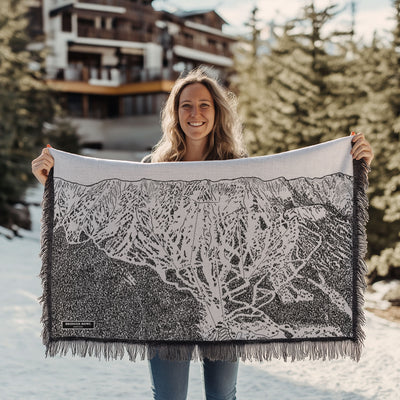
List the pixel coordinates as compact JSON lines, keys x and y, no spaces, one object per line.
{"x":116,"y":59}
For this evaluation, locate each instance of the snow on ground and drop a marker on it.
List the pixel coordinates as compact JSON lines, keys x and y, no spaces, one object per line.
{"x":26,"y":374}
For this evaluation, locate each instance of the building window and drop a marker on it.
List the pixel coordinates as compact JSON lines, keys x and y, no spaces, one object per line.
{"x":212,"y":43}
{"x":136,"y":25}
{"x":75,"y":106}
{"x":66,"y":22}
{"x":86,"y":22}
{"x":188,"y":37}
{"x":127,"y":106}
{"x":150,"y":104}
{"x":139,"y":105}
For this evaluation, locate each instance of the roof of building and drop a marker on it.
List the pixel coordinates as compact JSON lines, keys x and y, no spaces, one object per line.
{"x":192,"y":13}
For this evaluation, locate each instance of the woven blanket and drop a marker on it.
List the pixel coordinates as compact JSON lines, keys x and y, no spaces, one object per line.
{"x":253,"y":258}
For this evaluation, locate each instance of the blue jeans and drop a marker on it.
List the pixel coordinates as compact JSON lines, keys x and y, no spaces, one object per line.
{"x":170,"y":379}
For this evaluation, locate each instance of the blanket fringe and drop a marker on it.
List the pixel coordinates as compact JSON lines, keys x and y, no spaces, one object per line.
{"x":288,"y":351}
{"x":292,"y":351}
{"x":46,"y":242}
{"x":360,"y":219}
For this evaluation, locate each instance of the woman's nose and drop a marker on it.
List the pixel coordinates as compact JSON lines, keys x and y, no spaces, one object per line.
{"x":195,"y":110}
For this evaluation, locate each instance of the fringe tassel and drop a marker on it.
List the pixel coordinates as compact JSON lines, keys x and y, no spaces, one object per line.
{"x":360,"y":219}
{"x":46,"y":243}
{"x":288,"y":351}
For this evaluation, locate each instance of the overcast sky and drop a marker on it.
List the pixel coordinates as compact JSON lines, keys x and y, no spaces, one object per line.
{"x":371,"y":15}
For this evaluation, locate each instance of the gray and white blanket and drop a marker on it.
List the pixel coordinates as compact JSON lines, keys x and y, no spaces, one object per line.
{"x":252,"y":258}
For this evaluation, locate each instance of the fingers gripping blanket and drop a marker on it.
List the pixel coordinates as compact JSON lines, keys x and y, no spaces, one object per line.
{"x":252,"y":258}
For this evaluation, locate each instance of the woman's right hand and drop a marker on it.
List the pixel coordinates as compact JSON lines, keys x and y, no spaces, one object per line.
{"x":42,"y":165}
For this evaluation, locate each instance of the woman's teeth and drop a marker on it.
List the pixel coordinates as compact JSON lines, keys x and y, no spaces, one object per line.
{"x":196,"y":123}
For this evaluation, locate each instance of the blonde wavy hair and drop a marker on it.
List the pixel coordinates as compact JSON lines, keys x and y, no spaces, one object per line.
{"x":225,"y":140}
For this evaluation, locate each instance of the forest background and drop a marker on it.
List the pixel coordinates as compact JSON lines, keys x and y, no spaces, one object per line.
{"x":310,"y":84}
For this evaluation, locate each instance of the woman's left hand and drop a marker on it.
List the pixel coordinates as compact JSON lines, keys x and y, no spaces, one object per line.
{"x":361,"y":148}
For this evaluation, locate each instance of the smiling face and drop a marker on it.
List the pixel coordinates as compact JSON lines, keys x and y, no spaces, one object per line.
{"x":196,"y":113}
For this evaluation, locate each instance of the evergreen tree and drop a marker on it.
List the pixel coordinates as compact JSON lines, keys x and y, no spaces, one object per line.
{"x":297,"y":99}
{"x":247,"y":81}
{"x":26,"y":105}
{"x":381,"y":119}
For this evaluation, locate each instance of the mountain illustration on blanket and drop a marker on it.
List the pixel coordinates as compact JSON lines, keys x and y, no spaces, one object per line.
{"x":249,"y":276}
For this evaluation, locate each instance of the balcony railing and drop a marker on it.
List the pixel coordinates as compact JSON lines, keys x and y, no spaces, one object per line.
{"x":106,"y":76}
{"x":119,"y":3}
{"x":198,"y":45}
{"x":115,"y":34}
{"x":116,"y":3}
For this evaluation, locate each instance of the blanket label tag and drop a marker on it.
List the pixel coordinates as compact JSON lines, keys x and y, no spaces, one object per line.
{"x":78,"y":324}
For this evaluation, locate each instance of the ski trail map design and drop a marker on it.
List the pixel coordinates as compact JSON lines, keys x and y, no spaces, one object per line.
{"x":246,"y":260}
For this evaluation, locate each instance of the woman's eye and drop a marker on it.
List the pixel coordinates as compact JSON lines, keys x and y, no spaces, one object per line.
{"x":186,"y":106}
{"x":205,"y":105}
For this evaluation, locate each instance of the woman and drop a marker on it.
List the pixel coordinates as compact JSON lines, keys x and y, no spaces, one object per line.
{"x":199,"y":122}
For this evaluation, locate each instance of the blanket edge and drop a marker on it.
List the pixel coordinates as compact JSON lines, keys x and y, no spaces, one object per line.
{"x":46,"y":241}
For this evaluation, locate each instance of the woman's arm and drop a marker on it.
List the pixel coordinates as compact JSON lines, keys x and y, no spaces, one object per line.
{"x":361,"y":148}
{"x":42,"y":165}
